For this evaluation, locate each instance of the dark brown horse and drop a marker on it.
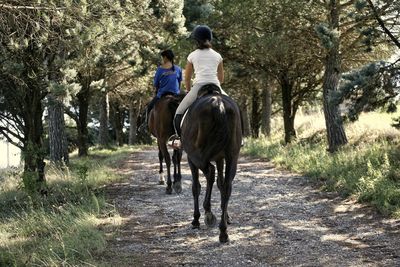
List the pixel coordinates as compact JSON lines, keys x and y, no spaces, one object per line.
{"x":160,"y":125}
{"x":212,"y":131}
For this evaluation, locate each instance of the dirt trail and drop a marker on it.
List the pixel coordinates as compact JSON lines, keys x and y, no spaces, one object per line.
{"x":278,"y":219}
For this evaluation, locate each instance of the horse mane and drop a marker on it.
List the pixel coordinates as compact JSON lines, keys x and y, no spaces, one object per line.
{"x":174,"y":101}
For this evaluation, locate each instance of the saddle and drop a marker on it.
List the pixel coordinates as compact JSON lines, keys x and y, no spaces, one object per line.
{"x":209,"y":89}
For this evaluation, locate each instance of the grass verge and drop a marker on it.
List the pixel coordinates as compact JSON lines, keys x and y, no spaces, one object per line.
{"x":367,"y":168}
{"x":63,"y":228}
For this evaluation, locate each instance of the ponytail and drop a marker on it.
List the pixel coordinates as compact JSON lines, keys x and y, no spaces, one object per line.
{"x":170,"y":56}
{"x":204,"y":44}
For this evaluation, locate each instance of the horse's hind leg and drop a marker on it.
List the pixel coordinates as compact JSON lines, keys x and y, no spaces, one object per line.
{"x":161,"y":172}
{"x":167,"y":158}
{"x":226,"y":189}
{"x":209,"y":218}
{"x":176,"y":160}
{"x":220,"y":178}
{"x":196,"y":187}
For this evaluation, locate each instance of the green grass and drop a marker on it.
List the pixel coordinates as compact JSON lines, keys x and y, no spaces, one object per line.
{"x":368,"y":168}
{"x":63,"y":228}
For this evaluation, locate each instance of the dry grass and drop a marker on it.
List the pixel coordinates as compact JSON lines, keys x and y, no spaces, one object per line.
{"x":63,"y":228}
{"x":366,"y":168}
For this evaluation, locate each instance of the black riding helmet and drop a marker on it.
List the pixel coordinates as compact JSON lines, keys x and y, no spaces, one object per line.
{"x":202,"y":33}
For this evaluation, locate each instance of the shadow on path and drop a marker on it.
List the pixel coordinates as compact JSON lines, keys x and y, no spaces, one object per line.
{"x":278,"y":219}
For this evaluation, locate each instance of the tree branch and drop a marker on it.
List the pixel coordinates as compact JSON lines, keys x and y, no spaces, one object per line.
{"x":31,"y":7}
{"x":71,"y":114}
{"x":382,"y":24}
{"x":349,"y":3}
{"x":7,"y":134}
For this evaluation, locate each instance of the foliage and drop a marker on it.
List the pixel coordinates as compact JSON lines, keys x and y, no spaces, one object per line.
{"x":367,"y":169}
{"x":375,"y":84}
{"x":70,"y":50}
{"x":63,"y":228}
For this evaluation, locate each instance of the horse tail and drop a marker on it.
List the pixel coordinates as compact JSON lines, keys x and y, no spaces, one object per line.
{"x":220,"y":132}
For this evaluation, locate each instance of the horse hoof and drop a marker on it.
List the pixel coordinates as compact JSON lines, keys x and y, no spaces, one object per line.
{"x":168,"y":191}
{"x":223,"y":238}
{"x":195,"y":225}
{"x":210,"y":220}
{"x":177,"y":187}
{"x":161,"y":182}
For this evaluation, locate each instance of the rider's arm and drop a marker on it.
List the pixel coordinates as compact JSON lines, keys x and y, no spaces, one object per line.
{"x":188,"y":75}
{"x":180,"y":79}
{"x":156,"y":80}
{"x":220,"y":72}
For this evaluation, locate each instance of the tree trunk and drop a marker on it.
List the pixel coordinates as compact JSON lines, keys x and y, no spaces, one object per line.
{"x":255,"y":113}
{"x":118,"y":122}
{"x":33,"y":176}
{"x":266,"y":110}
{"x":104,"y":138}
{"x":132,"y":126}
{"x":245,"y":116}
{"x":83,"y":134}
{"x":288,"y":114}
{"x":57,"y":136}
{"x":334,"y":124}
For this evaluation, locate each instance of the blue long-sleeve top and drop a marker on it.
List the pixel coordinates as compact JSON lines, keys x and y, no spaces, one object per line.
{"x":167,"y":80}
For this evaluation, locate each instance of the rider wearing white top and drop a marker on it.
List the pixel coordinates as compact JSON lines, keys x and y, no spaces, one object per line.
{"x":208,"y":68}
{"x":205,"y":63}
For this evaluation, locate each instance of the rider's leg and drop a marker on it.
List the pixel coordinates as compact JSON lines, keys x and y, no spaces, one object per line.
{"x":223,"y":92}
{"x":150,"y":106}
{"x":177,"y":123}
{"x":174,"y":141}
{"x":186,"y":102}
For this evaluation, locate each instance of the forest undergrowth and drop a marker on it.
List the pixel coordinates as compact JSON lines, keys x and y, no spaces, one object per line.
{"x":64,"y":227}
{"x":367,"y":168}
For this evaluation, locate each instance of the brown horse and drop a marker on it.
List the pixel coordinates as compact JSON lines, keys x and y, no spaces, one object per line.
{"x":212,"y":131}
{"x":161,"y":126}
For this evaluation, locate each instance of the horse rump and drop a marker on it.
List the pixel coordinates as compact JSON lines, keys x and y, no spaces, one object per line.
{"x":212,"y":132}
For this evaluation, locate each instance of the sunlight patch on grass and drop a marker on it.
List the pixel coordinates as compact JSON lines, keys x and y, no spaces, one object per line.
{"x":367,"y":168}
{"x":63,"y":228}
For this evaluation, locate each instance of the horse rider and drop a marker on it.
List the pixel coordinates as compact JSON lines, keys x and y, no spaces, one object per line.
{"x":167,"y":79}
{"x":208,"y":68}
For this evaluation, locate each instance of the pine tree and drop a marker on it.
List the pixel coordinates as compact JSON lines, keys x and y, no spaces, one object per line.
{"x":273,"y":37}
{"x":373,"y":85}
{"x":31,"y":36}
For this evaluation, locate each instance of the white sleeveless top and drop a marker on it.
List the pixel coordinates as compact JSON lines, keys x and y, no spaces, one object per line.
{"x":205,"y":63}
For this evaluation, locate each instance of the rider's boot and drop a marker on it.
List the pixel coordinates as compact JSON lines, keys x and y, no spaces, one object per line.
{"x":175,"y":141}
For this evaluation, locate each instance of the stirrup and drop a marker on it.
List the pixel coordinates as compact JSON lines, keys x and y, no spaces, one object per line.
{"x":174,"y":142}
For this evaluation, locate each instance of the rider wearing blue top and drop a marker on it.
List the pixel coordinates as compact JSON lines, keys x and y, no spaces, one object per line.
{"x":167,"y":79}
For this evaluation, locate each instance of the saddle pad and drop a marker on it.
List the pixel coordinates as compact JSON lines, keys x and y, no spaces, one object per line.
{"x":183,"y":118}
